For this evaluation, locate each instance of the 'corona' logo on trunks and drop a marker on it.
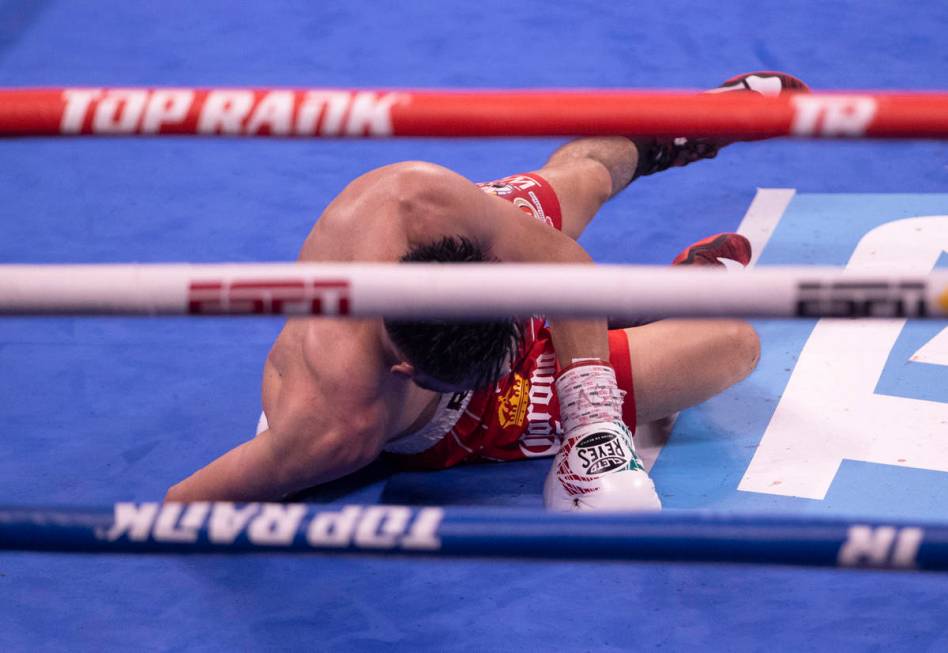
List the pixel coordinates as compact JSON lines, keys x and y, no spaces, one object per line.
{"x":512,"y":405}
{"x":228,"y":111}
{"x":269,"y":297}
{"x":600,"y":453}
{"x":542,"y":437}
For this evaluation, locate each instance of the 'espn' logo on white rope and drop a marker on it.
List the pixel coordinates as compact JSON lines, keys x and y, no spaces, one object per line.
{"x":269,"y":297}
{"x":862,"y":299}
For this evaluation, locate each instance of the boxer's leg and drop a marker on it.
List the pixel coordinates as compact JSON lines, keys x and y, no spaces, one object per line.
{"x":585,"y":173}
{"x":677,"y":364}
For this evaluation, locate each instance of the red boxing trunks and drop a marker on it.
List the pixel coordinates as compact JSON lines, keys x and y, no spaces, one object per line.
{"x":519,"y":418}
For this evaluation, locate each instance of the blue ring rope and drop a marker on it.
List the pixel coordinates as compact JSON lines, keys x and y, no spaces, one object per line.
{"x":224,"y":527}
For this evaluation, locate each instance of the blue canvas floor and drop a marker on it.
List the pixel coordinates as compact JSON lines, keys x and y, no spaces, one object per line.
{"x":102,"y":410}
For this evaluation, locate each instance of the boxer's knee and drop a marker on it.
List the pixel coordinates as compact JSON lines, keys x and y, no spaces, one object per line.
{"x":741,"y":347}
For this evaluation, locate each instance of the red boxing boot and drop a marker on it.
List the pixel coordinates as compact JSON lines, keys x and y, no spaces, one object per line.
{"x":657,"y":154}
{"x":734,"y":247}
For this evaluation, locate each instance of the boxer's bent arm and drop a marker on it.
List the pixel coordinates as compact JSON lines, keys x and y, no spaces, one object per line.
{"x":514,"y":237}
{"x":273,"y":465}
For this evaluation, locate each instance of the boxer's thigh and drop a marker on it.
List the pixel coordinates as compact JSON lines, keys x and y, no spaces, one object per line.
{"x":679,"y":363}
{"x":582,"y":186}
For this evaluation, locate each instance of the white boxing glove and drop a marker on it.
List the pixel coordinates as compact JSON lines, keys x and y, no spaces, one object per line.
{"x":596,"y":467}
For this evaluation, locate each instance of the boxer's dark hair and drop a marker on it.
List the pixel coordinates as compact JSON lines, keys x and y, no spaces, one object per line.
{"x":473,"y":353}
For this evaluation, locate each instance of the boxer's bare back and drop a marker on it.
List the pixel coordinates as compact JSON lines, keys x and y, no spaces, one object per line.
{"x":335,"y":391}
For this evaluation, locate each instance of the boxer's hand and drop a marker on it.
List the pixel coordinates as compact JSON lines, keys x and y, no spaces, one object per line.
{"x":596,"y":468}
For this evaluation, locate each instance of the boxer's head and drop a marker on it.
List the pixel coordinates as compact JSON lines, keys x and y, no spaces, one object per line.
{"x":453,"y":356}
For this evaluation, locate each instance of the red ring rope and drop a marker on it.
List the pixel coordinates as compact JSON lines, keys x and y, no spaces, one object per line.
{"x":360,"y":113}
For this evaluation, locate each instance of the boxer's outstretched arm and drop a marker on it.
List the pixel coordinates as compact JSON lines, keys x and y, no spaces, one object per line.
{"x":279,"y":462}
{"x":252,"y":471}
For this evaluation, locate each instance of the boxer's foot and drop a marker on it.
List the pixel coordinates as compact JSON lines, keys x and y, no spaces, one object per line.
{"x":657,"y":154}
{"x":709,"y":251}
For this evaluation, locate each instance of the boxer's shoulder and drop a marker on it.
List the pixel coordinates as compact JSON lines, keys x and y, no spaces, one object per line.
{"x":380,"y":214}
{"x":321,"y":369}
{"x":408,"y":185}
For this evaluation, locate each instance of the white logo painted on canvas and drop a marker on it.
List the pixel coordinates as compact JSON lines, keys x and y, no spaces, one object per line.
{"x":829,"y":411}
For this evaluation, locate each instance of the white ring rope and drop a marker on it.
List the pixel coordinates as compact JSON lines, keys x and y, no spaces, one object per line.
{"x":469,"y":291}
